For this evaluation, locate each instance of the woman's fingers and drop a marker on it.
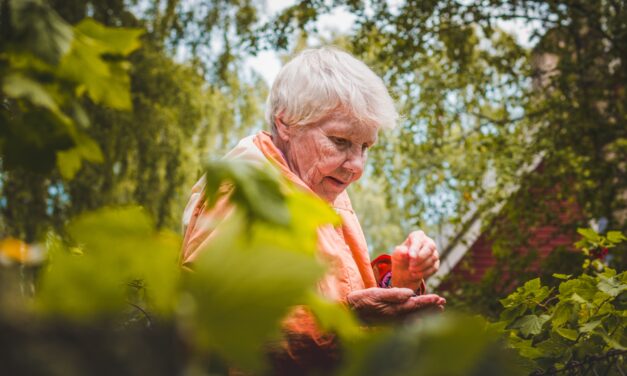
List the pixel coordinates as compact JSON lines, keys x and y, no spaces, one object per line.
{"x":427,"y":248}
{"x":376,"y":295}
{"x":420,"y":246}
{"x":413,"y":242}
{"x":426,"y":257}
{"x":395,"y":295}
{"x":400,"y":262}
{"x":416,"y":259}
{"x":377,"y":304}
{"x":401,"y":255}
{"x":427,"y":263}
{"x":427,"y":272}
{"x":419,"y":303}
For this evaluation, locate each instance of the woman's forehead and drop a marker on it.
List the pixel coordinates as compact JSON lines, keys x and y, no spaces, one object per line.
{"x":351,"y":129}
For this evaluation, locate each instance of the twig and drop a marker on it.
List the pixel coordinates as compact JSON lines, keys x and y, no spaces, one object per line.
{"x":143,"y":311}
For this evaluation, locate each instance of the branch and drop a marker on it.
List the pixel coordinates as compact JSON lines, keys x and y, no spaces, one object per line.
{"x":142,"y":311}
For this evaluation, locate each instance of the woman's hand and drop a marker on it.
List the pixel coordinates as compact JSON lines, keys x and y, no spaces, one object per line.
{"x":376,"y":304}
{"x":414,"y":260}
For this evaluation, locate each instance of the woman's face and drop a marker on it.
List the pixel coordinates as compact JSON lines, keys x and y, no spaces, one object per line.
{"x":330,"y":155}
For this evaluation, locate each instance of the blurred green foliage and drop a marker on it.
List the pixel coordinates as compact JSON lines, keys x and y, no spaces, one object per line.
{"x":119,"y":246}
{"x":243,"y":288}
{"x":271,"y":208}
{"x":113,"y":266}
{"x":261,"y":263}
{"x":151,"y":155}
{"x":448,"y":344}
{"x":44,"y":78}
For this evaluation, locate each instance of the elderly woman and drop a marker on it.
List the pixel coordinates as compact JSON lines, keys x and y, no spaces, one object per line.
{"x":325,"y":110}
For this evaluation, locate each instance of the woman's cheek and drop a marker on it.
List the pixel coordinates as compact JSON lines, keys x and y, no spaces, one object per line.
{"x":330,"y":160}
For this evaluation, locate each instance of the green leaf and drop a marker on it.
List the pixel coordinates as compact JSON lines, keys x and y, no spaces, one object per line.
{"x":364,"y":356}
{"x":116,"y":41}
{"x":613,"y":343}
{"x":563,"y":313}
{"x":567,"y":333}
{"x":522,"y":294}
{"x":89,"y":149}
{"x":555,"y":347}
{"x":18,"y":86}
{"x":103,"y":84}
{"x":119,"y":246}
{"x":255,"y":189}
{"x":106,"y":81}
{"x":610,"y":273}
{"x":260,"y":262}
{"x":589,"y":326}
{"x":562,"y":276}
{"x":615,"y":236}
{"x":589,"y":234}
{"x":312,"y":213}
{"x":530,"y":324}
{"x":41,"y":30}
{"x":524,"y":346}
{"x":532,"y":285}
{"x":611,"y":286}
{"x":241,"y":291}
{"x":512,"y":313}
{"x":584,"y":286}
{"x":70,"y":161}
{"x":578,"y":299}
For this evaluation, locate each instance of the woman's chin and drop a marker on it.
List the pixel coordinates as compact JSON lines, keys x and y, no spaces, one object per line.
{"x":330,"y":189}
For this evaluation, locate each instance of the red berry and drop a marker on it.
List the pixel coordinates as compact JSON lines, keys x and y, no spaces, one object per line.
{"x":599,"y":253}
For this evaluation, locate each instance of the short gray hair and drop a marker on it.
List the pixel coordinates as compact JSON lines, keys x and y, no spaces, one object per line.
{"x":318,"y":82}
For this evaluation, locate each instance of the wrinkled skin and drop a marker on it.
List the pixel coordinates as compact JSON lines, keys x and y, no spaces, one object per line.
{"x":414,"y":260}
{"x":328,"y":157}
{"x":379,"y":305}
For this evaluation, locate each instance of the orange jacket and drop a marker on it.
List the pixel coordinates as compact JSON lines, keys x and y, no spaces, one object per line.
{"x":342,"y":248}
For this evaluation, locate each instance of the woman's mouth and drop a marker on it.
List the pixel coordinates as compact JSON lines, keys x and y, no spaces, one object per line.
{"x":336,"y":182}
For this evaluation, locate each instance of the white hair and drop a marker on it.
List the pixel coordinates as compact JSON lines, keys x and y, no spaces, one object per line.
{"x":326,"y":81}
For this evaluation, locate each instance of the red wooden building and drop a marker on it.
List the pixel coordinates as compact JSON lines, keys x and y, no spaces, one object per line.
{"x":467,"y":252}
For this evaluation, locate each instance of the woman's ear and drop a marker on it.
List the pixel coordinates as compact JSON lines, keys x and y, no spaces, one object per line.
{"x":281,"y":129}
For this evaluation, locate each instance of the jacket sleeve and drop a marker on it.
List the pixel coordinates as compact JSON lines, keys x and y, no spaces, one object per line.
{"x":200,"y":221}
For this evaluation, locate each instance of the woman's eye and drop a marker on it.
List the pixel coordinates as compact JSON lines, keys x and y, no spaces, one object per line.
{"x":340,"y":141}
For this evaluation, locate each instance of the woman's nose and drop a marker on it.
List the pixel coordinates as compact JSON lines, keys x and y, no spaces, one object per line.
{"x":355,"y":161}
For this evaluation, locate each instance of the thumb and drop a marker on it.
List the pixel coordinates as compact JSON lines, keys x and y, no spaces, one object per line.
{"x":395,"y":295}
{"x":400,"y":255}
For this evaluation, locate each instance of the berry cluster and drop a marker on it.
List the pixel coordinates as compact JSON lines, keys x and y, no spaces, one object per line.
{"x":599,"y":253}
